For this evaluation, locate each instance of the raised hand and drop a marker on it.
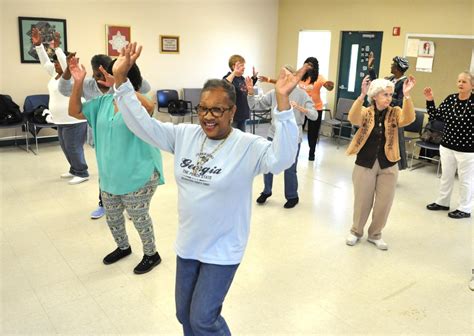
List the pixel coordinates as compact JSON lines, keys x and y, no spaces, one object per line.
{"x":285,"y":85}
{"x":408,"y":85}
{"x":78,"y":71}
{"x":428,"y":93}
{"x":35,"y":36}
{"x":128,"y":56}
{"x":263,"y":79}
{"x":371,"y":59}
{"x":365,"y":86}
{"x":109,"y":79}
{"x":249,"y":85}
{"x":56,"y":40}
{"x":254,"y":73}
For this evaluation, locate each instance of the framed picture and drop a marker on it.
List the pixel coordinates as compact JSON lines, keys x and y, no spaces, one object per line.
{"x":47,"y":27}
{"x":117,"y":37}
{"x":169,"y":44}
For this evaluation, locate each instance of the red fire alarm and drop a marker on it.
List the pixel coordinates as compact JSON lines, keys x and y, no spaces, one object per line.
{"x":396,"y":31}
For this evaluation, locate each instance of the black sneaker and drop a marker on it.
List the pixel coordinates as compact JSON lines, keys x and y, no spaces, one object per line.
{"x":458,"y":214}
{"x":436,"y":207}
{"x":291,"y":203}
{"x":147,"y":263}
{"x":263,"y":198}
{"x":117,"y":255}
{"x":311,"y":157}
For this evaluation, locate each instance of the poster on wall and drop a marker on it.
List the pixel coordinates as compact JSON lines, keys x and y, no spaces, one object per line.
{"x":169,"y":44}
{"x":117,"y":37}
{"x":47,"y":27}
{"x":426,"y":52}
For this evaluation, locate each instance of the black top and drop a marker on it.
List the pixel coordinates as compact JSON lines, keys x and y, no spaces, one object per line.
{"x":243,"y":111}
{"x":458,"y":116}
{"x":374,"y":147}
{"x":397,"y":98}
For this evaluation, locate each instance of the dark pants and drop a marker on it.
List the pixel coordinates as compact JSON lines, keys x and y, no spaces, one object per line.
{"x":291,"y":179}
{"x":313,"y":132}
{"x":71,"y":139}
{"x":403,"y":163}
{"x":239,"y":124}
{"x":200,"y":292}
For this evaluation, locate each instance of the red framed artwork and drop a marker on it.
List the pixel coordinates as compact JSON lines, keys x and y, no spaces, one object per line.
{"x":117,"y":37}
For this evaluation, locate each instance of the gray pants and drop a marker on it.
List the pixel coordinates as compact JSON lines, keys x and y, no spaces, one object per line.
{"x":374,"y":190}
{"x":71,"y":139}
{"x":137,"y":204}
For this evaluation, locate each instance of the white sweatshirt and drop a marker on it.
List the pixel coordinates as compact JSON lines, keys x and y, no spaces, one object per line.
{"x":58,"y":104}
{"x":214,"y":205}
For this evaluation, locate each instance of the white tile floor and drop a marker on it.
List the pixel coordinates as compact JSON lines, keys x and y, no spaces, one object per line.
{"x":297,"y":278}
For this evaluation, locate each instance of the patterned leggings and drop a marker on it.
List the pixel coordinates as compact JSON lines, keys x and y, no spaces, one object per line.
{"x":137,"y":204}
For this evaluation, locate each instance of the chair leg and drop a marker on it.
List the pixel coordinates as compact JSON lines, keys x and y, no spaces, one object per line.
{"x":36,"y":140}
{"x":339,"y":136}
{"x":26,"y":138}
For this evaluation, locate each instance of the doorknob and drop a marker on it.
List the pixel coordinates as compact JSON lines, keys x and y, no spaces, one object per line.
{"x":342,"y":87}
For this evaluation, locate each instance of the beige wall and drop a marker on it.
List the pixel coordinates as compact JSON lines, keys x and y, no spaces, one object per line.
{"x":454,"y":17}
{"x":210,"y":31}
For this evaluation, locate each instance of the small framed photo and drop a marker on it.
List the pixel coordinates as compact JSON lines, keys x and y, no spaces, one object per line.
{"x":117,"y":37}
{"x":169,"y":44}
{"x":47,"y":28}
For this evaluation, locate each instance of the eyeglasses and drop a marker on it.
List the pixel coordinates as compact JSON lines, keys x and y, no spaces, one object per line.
{"x":216,"y":112}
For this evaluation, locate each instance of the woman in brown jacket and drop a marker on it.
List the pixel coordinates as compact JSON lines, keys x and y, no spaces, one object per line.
{"x":376,"y":145}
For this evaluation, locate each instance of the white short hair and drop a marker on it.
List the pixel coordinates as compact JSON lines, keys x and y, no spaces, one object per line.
{"x":468,"y":74}
{"x":378,"y":85}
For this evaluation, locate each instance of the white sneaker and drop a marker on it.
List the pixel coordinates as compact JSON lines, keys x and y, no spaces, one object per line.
{"x":66,"y":175}
{"x":379,"y":243}
{"x":351,"y":240}
{"x":77,"y":180}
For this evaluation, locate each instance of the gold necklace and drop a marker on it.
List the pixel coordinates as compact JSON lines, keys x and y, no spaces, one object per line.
{"x":204,"y":157}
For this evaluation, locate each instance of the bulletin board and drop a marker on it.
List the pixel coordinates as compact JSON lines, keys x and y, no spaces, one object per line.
{"x":453,"y":54}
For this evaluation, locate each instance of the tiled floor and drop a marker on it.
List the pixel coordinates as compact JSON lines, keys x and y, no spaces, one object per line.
{"x":297,"y":278}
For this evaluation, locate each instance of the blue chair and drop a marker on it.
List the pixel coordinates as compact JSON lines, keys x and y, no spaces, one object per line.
{"x":31,"y":103}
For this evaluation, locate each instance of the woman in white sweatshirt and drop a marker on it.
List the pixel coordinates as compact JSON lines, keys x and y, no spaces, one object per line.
{"x":214,"y":169}
{"x":71,"y":131}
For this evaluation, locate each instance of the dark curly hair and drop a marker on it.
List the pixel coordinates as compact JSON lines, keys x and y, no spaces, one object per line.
{"x":98,"y":60}
{"x":133,"y":74}
{"x":314,"y":72}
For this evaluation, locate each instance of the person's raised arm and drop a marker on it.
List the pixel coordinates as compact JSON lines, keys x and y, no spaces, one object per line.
{"x":78,"y":72}
{"x":65,"y":82}
{"x":257,"y":103}
{"x":37,"y":41}
{"x":148,"y":104}
{"x":370,"y":65}
{"x":281,"y":152}
{"x":265,"y":79}
{"x":58,"y":51}
{"x":136,"y":118}
{"x":238,"y":66}
{"x":408,"y":110}
{"x":329,"y":85}
{"x":355,"y":113}
{"x":433,"y":112}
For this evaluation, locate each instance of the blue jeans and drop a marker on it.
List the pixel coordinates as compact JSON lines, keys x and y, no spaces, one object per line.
{"x":291,"y":179}
{"x":239,"y":124}
{"x":200,"y":292}
{"x":71,"y":139}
